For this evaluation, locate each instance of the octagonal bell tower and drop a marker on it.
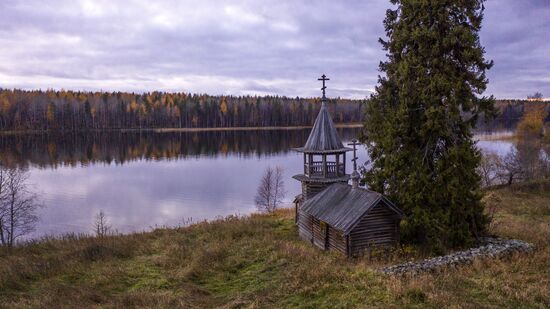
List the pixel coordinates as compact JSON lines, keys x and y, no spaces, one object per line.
{"x":324,"y":154}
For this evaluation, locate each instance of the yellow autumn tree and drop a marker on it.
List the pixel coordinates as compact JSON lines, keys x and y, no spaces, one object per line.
{"x":223,"y":106}
{"x":223,"y":109}
{"x":68,"y":96}
{"x":169,"y":100}
{"x":133,"y":106}
{"x":532,"y":122}
{"x":82,"y":97}
{"x":5,"y":104}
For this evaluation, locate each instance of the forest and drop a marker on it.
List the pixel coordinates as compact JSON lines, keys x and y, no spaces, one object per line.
{"x":51,"y":110}
{"x":77,"y":111}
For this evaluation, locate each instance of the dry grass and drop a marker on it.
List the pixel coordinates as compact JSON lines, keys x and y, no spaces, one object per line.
{"x":522,"y":212}
{"x":259,"y":261}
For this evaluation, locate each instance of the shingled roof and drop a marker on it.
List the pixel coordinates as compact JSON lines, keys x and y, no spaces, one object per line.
{"x":342,"y":207}
{"x":323,"y":136}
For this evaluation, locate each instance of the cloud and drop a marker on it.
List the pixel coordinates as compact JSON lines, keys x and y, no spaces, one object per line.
{"x":514,"y":35}
{"x":239,"y":47}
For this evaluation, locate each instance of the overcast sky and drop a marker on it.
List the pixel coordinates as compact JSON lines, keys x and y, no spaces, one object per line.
{"x":241,"y":47}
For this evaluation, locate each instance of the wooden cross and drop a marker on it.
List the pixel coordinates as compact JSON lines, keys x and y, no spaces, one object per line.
{"x":354,"y":143}
{"x":324,"y":78}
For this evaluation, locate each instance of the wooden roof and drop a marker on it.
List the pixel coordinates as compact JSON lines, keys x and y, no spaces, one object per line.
{"x":342,"y":207}
{"x":323,"y":137}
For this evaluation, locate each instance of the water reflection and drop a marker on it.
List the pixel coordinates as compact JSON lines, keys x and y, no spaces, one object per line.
{"x":500,"y":147}
{"x":151,"y":179}
{"x":148,"y":179}
{"x":44,"y":150}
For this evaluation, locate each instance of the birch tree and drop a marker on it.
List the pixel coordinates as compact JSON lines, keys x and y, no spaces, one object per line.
{"x":271,"y":190}
{"x":18,"y":206}
{"x":102,"y":227}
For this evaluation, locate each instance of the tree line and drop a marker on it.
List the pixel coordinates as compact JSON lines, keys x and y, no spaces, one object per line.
{"x":79,"y":111}
{"x":509,"y":114}
{"x":51,"y":110}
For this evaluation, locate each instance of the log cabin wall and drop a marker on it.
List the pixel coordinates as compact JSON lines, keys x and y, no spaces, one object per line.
{"x":336,"y":240}
{"x":310,"y":189}
{"x":319,"y":236}
{"x":309,"y":229}
{"x":348,"y":220}
{"x":380,"y":226}
{"x":305,"y":222}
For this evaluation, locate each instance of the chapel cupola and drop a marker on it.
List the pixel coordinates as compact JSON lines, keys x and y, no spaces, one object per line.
{"x":324,"y":154}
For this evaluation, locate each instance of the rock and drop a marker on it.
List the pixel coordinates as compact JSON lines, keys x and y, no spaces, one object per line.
{"x":488,"y":247}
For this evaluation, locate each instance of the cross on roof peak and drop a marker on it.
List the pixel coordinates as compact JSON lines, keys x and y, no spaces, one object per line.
{"x":354,"y":143}
{"x":323,"y":78}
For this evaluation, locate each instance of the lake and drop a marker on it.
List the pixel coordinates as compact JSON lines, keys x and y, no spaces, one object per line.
{"x":145,"y":180}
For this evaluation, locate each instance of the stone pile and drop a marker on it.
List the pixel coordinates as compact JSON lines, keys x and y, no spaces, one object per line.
{"x":489,"y":248}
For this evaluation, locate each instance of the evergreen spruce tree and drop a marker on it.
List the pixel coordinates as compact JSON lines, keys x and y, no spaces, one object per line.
{"x":418,"y":128}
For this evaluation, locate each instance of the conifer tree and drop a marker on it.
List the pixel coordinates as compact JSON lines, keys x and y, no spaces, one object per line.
{"x":418,"y":128}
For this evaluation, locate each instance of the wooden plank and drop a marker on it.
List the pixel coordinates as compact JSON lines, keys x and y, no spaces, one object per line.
{"x":380,"y":226}
{"x":336,"y":240}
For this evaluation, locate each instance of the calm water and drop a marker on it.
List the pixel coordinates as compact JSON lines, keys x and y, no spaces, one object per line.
{"x":143,"y":180}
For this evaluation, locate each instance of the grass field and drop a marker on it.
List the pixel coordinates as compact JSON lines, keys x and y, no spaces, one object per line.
{"x":259,"y":261}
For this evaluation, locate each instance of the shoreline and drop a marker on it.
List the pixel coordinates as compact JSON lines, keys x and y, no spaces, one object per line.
{"x":495,"y":136}
{"x":506,"y":135}
{"x":166,"y":130}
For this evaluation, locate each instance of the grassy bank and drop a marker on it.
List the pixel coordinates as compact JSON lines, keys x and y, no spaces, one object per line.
{"x":259,"y":261}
